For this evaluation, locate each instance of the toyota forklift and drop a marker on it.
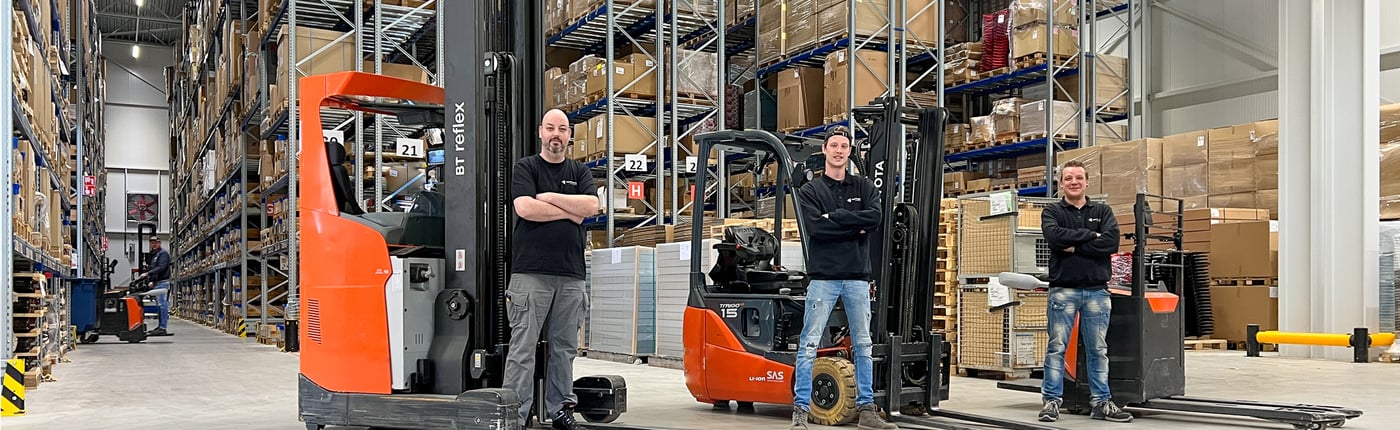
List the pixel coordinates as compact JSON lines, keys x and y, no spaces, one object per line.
{"x":1147,"y":369}
{"x":744,"y":316}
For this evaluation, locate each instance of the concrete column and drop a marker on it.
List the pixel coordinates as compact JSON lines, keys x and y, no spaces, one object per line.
{"x":1329,"y":74}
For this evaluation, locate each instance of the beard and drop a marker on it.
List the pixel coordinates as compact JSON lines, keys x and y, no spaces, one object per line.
{"x":555,"y":146}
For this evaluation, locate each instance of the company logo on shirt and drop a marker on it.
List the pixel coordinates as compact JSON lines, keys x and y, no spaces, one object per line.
{"x":1095,"y":219}
{"x":568,"y":182}
{"x":853,"y":200}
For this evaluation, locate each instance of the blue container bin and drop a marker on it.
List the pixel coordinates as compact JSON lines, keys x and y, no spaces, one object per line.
{"x":86,"y":299}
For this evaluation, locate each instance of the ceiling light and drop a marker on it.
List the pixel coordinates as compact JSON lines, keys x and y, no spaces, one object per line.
{"x":140,"y":3}
{"x":136,"y":51}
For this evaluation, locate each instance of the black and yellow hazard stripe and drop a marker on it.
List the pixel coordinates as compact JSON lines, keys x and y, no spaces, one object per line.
{"x":12,"y":398}
{"x":242,"y":328}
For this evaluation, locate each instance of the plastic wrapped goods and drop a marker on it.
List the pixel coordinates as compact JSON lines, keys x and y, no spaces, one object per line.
{"x":1029,"y":12}
{"x":1065,"y":115}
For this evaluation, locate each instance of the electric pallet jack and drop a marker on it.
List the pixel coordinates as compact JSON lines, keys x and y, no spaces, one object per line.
{"x":743,"y":320}
{"x":102,"y":310}
{"x":1146,"y":354}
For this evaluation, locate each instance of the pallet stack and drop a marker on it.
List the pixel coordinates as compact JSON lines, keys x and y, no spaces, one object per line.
{"x":622,"y":296}
{"x":945,"y":294}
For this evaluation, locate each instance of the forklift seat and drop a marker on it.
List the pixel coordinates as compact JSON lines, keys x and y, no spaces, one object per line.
{"x":745,"y":264}
{"x":345,"y":199}
{"x":422,"y":225}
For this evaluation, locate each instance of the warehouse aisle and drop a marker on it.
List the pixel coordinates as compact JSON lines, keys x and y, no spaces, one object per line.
{"x":202,"y":378}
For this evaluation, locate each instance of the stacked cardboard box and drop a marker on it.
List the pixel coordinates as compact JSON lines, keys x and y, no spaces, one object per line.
{"x":1197,"y":226}
{"x":1244,"y":267}
{"x":800,"y":98}
{"x":870,"y":79}
{"x":1032,"y":29}
{"x":1129,"y":168}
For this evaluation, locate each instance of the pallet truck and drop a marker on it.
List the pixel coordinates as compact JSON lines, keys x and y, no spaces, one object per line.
{"x":743,"y":319}
{"x":1147,"y":371}
{"x":99,"y":309}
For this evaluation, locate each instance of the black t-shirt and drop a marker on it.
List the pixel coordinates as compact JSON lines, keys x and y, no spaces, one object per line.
{"x":555,"y":247}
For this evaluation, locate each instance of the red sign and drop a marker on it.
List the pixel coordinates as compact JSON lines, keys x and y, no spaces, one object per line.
{"x":104,"y":243}
{"x":89,"y":185}
{"x":636,"y":190}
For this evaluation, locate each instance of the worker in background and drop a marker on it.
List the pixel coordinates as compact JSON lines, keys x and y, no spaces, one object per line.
{"x":158,"y":273}
{"x":840,"y":210}
{"x":551,"y":195}
{"x":1082,"y":236}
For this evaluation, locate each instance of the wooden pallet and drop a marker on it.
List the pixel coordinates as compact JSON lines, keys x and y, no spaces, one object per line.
{"x":1029,"y":184}
{"x":1038,"y":58}
{"x":1240,"y":345}
{"x":1243,"y":282}
{"x":1041,"y":135}
{"x":1387,"y":357}
{"x":666,"y":362}
{"x":994,"y":72}
{"x":1205,"y":344}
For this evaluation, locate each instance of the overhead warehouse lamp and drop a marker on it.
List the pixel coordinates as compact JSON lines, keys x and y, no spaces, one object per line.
{"x":136,"y":49}
{"x":140,"y":3}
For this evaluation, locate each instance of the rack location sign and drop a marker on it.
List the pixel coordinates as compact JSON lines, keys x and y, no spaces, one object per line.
{"x":634,"y":162}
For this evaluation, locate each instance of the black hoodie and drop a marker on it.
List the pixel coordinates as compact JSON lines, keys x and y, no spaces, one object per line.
{"x":1093,"y":233}
{"x":835,"y":213}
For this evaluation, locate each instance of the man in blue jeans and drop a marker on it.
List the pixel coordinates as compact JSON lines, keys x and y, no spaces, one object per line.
{"x":158,"y":272}
{"x":1082,"y":236}
{"x":840,"y":210}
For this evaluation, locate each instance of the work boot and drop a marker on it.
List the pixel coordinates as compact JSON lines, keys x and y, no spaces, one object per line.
{"x":799,"y":419}
{"x":564,"y":419}
{"x":1111,"y":412}
{"x":157,"y":332}
{"x":1051,"y":411}
{"x":870,"y":419}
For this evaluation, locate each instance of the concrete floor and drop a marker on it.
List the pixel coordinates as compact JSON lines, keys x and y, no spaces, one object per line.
{"x":201,"y":378}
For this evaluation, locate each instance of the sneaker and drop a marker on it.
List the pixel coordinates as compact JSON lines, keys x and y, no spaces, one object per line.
{"x":1051,"y":411}
{"x":870,"y":419}
{"x":1111,"y":412}
{"x":799,"y":419}
{"x":157,"y":332}
{"x":564,"y":420}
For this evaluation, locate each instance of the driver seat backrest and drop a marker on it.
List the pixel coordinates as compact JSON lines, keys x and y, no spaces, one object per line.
{"x":744,"y":263}
{"x":345,"y":199}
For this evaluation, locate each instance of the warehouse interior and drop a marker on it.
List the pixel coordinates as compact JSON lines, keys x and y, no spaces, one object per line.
{"x":1249,"y":151}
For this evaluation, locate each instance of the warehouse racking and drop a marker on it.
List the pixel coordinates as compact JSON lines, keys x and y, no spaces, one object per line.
{"x":54,"y":111}
{"x":254,"y":129}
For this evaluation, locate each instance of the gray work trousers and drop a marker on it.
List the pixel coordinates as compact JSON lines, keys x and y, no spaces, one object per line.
{"x":554,"y":305}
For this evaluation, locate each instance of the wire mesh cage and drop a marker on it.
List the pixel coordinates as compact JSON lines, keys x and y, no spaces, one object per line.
{"x":1001,"y":233}
{"x":1008,"y":339}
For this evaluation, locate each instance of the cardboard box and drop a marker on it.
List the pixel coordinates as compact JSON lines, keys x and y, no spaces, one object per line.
{"x":800,"y":98}
{"x":870,"y":81}
{"x":339,"y":54}
{"x":643,"y":75}
{"x":1390,"y":123}
{"x":1244,"y":249}
{"x":1187,"y":181}
{"x":1186,"y":148}
{"x":958,"y":181}
{"x":1235,"y":308}
{"x":799,"y":25}
{"x":1267,"y":200}
{"x":1025,"y":12}
{"x":410,"y":72}
{"x":597,"y":83}
{"x":1247,"y":200}
{"x":1130,"y":168}
{"x":1232,"y":159}
{"x":1035,"y":39}
{"x":630,"y":135}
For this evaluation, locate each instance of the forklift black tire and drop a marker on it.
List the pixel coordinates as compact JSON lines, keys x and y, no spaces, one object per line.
{"x":310,"y":426}
{"x":90,"y":337}
{"x":721,"y":404}
{"x":744,"y":406}
{"x":833,"y":391}
{"x":1337,"y":424}
{"x":601,"y":418}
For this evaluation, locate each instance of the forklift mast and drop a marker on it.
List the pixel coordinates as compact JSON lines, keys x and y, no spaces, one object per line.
{"x":497,"y":50}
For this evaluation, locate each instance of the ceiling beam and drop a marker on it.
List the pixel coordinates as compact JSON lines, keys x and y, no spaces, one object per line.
{"x":143,"y":18}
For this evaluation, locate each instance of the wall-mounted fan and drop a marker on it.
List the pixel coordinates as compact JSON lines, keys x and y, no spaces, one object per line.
{"x":142,"y":207}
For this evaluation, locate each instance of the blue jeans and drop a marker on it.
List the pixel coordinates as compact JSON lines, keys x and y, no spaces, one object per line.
{"x":1093,"y":307}
{"x":162,"y":293}
{"x":821,"y":299}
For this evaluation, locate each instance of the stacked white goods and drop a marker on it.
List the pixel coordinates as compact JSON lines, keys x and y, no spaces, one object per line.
{"x":673,"y":289}
{"x":622,"y":295}
{"x":792,"y":258}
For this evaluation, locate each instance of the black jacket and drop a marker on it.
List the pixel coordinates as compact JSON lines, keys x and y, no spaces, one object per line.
{"x":837,"y":249}
{"x":1093,"y":233}
{"x":159,"y":267}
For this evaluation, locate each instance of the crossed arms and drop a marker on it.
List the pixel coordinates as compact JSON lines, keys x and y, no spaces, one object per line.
{"x":545,"y":207}
{"x":1080,"y":240}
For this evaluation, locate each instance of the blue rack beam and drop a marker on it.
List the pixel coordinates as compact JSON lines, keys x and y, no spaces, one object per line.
{"x":689,"y":113}
{"x":1017,"y":79}
{"x":1032,"y":191}
{"x":738,"y":37}
{"x":817,"y":53}
{"x":1006,"y":151}
{"x":44,"y":261}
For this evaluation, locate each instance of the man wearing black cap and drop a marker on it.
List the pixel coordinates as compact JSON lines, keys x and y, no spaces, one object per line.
{"x":840,"y":209}
{"x":158,"y":272}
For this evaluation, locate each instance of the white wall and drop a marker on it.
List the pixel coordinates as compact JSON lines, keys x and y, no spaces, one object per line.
{"x":138,"y":143}
{"x":1186,"y":56}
